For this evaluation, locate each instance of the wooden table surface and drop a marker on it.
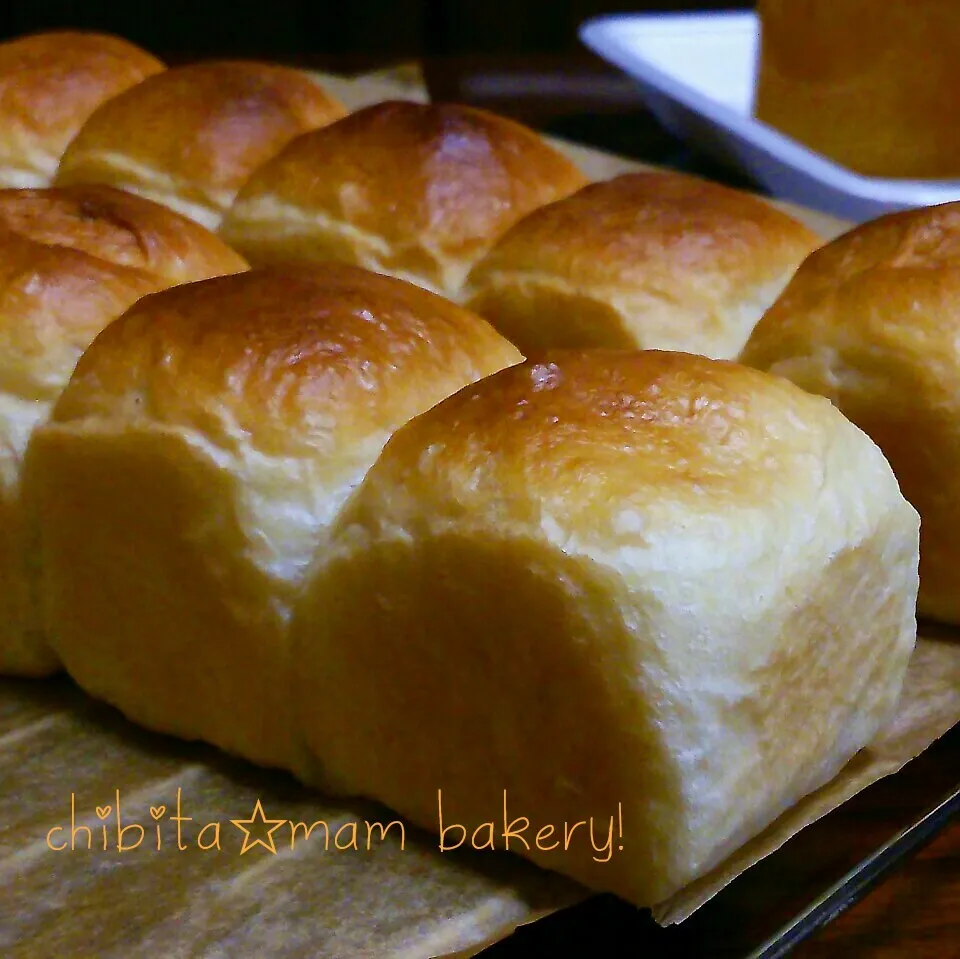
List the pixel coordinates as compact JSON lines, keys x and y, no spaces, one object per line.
{"x":915,"y":912}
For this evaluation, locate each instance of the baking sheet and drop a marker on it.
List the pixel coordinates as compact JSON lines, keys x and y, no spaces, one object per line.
{"x":62,"y":755}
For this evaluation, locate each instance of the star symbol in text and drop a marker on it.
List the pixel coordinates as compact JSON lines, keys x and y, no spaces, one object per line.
{"x":249,"y":843}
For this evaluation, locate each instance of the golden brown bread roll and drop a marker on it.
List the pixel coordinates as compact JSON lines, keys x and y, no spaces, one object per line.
{"x":193,"y":464}
{"x":71,"y":260}
{"x":641,"y":580}
{"x":189,"y":137}
{"x":119,"y":228}
{"x":416,"y":191}
{"x":50,"y":83}
{"x":646,"y":260}
{"x":872,"y":321}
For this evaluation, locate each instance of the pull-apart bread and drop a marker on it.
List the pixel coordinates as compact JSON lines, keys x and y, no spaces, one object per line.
{"x":71,"y":261}
{"x":416,"y":191}
{"x":642,"y":261}
{"x":50,"y":83}
{"x":192,"y":466}
{"x":190,"y":137}
{"x":669,"y":593}
{"x":330,"y":521}
{"x":872,"y":321}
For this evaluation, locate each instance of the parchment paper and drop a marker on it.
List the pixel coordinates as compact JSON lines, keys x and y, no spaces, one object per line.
{"x":63,"y":756}
{"x":402,"y":82}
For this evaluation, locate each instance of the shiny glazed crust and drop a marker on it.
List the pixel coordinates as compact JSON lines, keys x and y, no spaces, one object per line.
{"x":416,"y":191}
{"x":646,"y":260}
{"x":71,"y":260}
{"x":50,"y":83}
{"x":872,"y":321}
{"x":190,"y":137}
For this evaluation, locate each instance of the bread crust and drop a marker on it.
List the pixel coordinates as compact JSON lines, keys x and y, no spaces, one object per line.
{"x":417,"y":191}
{"x":656,"y":260}
{"x":50,"y":84}
{"x":871,"y":321}
{"x":190,"y":137}
{"x":244,"y":410}
{"x":71,"y":261}
{"x":600,"y":582}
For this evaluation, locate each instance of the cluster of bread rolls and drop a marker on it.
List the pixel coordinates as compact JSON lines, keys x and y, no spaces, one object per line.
{"x":430,"y":498}
{"x":328,"y":521}
{"x":454,"y":199}
{"x":275,"y":393}
{"x":72,"y":259}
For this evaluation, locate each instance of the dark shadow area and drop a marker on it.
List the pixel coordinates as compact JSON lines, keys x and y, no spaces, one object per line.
{"x":296,"y":28}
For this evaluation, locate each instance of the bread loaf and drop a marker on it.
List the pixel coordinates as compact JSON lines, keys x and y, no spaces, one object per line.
{"x":189,"y":137}
{"x":71,"y":260}
{"x":416,"y":191}
{"x":872,"y":321}
{"x":50,"y":83}
{"x":333,"y":523}
{"x":646,"y":260}
{"x":657,"y":595}
{"x":193,"y":465}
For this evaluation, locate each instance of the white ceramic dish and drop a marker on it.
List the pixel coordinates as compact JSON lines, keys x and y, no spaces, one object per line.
{"x":698,"y":73}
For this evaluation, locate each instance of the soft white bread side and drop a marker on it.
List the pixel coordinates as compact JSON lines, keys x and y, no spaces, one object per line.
{"x":645,"y":579}
{"x":189,"y":137}
{"x":644,"y":261}
{"x":192,"y":465}
{"x":417,"y":191}
{"x":71,"y":260}
{"x":50,"y":83}
{"x":872,"y":321}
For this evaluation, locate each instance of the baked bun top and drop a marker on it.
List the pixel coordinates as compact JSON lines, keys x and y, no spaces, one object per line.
{"x":50,"y":83}
{"x":285,"y":361}
{"x":118,"y":227}
{"x":652,"y":260}
{"x":190,"y":136}
{"x":73,"y":259}
{"x":883,"y":297}
{"x":872,"y":321}
{"x":417,"y":191}
{"x":615,"y":449}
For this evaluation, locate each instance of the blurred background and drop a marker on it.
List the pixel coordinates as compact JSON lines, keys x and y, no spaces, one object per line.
{"x":346,"y":28}
{"x":521,"y":58}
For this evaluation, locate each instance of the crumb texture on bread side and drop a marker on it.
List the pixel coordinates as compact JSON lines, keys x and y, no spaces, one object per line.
{"x":191,"y":467}
{"x":418,"y":191}
{"x":872,"y":321}
{"x":650,"y":260}
{"x":602,"y":578}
